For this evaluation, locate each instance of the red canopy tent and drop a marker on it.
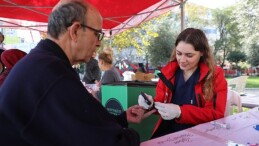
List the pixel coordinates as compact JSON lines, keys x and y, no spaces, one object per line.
{"x":118,"y":14}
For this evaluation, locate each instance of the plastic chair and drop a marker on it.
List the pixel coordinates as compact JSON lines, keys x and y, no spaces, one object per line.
{"x":233,"y":99}
{"x":238,"y":84}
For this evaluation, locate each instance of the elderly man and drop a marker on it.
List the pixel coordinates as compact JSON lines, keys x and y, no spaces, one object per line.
{"x":43,"y":102}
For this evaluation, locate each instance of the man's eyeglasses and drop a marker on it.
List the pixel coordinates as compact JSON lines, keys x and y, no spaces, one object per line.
{"x":100,"y":34}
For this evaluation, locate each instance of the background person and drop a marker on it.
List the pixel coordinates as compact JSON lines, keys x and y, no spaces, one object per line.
{"x":141,"y":68}
{"x":1,"y":64}
{"x":44,"y":103}
{"x":92,"y":71}
{"x":193,"y":90}
{"x":1,"y":51}
{"x":105,"y":61}
{"x":110,"y":73}
{"x":10,"y":58}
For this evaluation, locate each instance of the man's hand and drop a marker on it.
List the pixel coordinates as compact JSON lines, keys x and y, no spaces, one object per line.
{"x":168,"y":111}
{"x":136,"y":114}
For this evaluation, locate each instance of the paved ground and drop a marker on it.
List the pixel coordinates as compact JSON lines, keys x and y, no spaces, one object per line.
{"x":251,"y":98}
{"x":252,"y":92}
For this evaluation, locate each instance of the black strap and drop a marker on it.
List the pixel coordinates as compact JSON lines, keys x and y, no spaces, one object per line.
{"x":200,"y":100}
{"x":165,"y":81}
{"x":214,"y":100}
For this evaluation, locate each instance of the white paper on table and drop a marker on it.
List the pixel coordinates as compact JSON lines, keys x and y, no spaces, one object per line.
{"x":254,"y":112}
{"x":248,"y":134}
{"x":237,"y":122}
{"x":182,"y":138}
{"x":241,"y":128}
{"x":241,"y":132}
{"x":245,"y":135}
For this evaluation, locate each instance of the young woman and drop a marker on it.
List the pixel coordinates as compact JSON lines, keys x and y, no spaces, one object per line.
{"x":192,"y":89}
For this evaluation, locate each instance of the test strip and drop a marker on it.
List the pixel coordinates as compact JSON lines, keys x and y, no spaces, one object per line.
{"x":145,"y":97}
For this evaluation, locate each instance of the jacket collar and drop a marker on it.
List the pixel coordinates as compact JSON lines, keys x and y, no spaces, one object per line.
{"x":170,"y":69}
{"x":54,"y":48}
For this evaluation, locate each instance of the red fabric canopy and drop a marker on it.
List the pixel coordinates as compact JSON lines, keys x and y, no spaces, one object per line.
{"x":118,"y":14}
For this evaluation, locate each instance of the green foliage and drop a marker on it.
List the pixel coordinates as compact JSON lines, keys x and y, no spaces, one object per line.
{"x":196,"y":16}
{"x":244,"y":65}
{"x":236,"y":57}
{"x":105,"y":44}
{"x":229,"y":39}
{"x":253,"y":58}
{"x":161,"y":47}
{"x":252,"y":82}
{"x":138,"y":37}
{"x":246,"y":15}
{"x":145,"y":40}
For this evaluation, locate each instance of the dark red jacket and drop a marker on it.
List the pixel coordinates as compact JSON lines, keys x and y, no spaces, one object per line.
{"x":9,"y":58}
{"x":205,"y":110}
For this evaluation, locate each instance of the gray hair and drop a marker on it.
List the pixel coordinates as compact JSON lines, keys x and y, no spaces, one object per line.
{"x":64,"y":16}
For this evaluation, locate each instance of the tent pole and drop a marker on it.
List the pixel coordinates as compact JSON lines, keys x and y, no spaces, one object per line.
{"x":32,"y":36}
{"x":111,"y":37}
{"x":182,"y":14}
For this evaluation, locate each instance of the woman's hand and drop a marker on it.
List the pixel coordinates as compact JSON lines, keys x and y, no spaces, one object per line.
{"x":168,"y":111}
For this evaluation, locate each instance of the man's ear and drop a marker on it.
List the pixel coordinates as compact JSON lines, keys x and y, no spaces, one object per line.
{"x":73,"y":31}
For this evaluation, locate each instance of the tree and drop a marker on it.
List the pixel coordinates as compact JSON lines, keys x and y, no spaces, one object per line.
{"x":253,"y":58}
{"x":229,"y":38}
{"x":247,"y":16}
{"x":236,"y":57}
{"x":160,"y":48}
{"x":196,"y":16}
{"x":136,"y":37}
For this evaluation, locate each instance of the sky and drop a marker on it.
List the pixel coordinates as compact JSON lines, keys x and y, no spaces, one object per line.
{"x":213,"y":3}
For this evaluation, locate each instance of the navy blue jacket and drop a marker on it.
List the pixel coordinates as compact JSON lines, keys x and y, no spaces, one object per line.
{"x":43,"y":103}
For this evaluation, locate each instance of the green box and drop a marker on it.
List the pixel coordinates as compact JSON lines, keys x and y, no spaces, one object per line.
{"x":118,"y":97}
